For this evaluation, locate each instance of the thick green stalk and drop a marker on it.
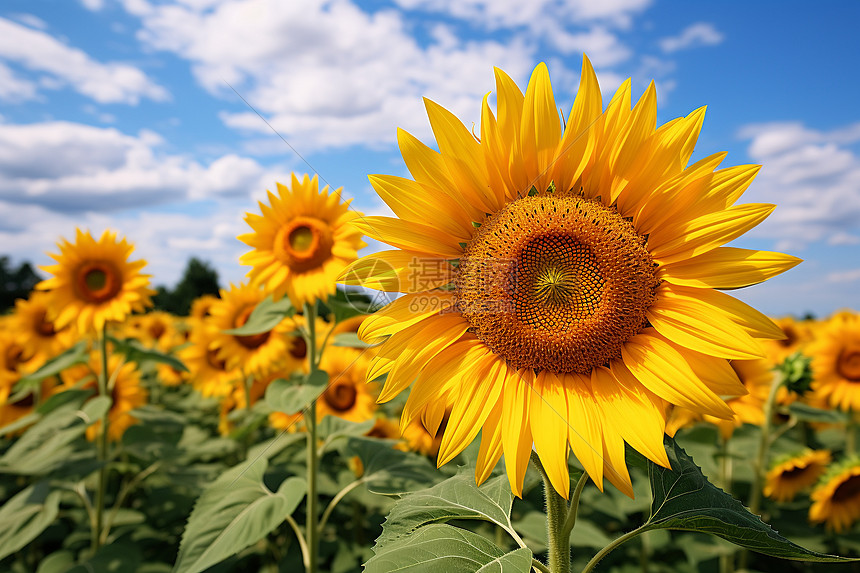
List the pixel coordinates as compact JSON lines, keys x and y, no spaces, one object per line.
{"x":312,"y":523}
{"x":558,"y":542}
{"x":727,"y":561}
{"x":102,"y":445}
{"x":760,"y":463}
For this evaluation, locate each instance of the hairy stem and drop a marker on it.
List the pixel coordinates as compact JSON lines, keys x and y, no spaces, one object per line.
{"x":312,"y":525}
{"x":556,"y":515}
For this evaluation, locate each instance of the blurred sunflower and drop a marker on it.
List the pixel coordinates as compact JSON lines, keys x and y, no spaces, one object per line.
{"x":420,"y":439}
{"x":789,"y":476}
{"x":38,"y":335}
{"x":94,"y":282}
{"x":836,"y":498}
{"x":798,"y":333}
{"x":18,"y":406}
{"x":207,"y":372}
{"x":346,"y":396}
{"x":561,"y":281}
{"x":15,"y":362}
{"x":836,"y":362}
{"x":253,"y":353}
{"x":124,"y":387}
{"x":238,"y":400}
{"x":157,"y":329}
{"x":202,"y":305}
{"x":301,"y":242}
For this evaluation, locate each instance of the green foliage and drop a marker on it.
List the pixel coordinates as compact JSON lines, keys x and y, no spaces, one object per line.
{"x":26,"y":515}
{"x":236,"y":511}
{"x":77,"y":354}
{"x":199,"y":278}
{"x":438,"y":548}
{"x":134,"y":351}
{"x":265,"y":316}
{"x":684,"y":499}
{"x":294,"y":395}
{"x":388,"y":471}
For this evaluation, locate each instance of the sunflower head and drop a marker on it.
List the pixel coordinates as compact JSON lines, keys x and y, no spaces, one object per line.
{"x":836,"y":497}
{"x":790,"y":475}
{"x":39,"y":336}
{"x":836,"y":362}
{"x":301,"y":241}
{"x":563,"y":280}
{"x":346,"y":396}
{"x":259,"y":353}
{"x":94,"y":282}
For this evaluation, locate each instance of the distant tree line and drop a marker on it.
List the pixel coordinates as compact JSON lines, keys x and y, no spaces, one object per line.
{"x":198,"y":279}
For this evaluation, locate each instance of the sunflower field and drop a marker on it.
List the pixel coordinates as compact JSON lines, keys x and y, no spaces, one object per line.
{"x":545,"y":372}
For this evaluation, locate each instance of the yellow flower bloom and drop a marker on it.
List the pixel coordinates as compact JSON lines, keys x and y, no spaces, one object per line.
{"x":836,"y":498}
{"x":836,"y":363}
{"x":123,"y":386}
{"x":255,"y":353}
{"x":561,"y":282}
{"x":38,"y":335}
{"x":798,"y":333}
{"x":346,"y":396}
{"x":208,"y":373}
{"x":202,"y":305}
{"x":94,"y":282}
{"x":301,"y":242}
{"x":788,"y":477}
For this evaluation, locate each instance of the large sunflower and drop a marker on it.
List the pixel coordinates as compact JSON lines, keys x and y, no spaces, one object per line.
{"x":94,"y":282}
{"x":561,"y":281}
{"x":301,"y":242}
{"x":836,"y":362}
{"x":836,"y":498}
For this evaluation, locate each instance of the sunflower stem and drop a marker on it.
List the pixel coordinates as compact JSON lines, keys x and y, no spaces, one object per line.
{"x":558,"y":540}
{"x":727,"y":559}
{"x":760,"y":463}
{"x":312,"y":524}
{"x":102,"y":446}
{"x":612,"y":545}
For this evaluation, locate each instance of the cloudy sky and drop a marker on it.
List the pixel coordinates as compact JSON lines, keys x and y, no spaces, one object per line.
{"x":142,"y":115}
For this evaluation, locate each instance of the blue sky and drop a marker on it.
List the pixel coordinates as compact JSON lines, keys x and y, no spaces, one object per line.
{"x":120,"y":114}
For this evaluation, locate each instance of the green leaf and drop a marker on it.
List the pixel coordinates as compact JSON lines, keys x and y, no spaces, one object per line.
{"x":296,"y":394}
{"x":351,"y":340}
{"x":457,"y":497}
{"x":77,"y":354}
{"x":57,"y":562}
{"x":26,"y":515}
{"x":807,"y":413}
{"x":331,"y":428}
{"x":134,"y":351}
{"x":683,"y":499}
{"x":233,"y":513}
{"x":113,"y":558}
{"x":388,"y":471}
{"x":48,"y":444}
{"x":446,"y":548}
{"x":265,"y":316}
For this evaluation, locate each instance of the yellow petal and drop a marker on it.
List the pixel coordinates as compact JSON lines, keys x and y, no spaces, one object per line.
{"x":663,"y":370}
{"x":727,"y":268}
{"x":692,"y":324}
{"x":584,"y":426}
{"x":490,"y":451}
{"x":476,"y":397}
{"x":684,"y":240}
{"x":541,"y":128}
{"x":397,"y":271}
{"x":402,"y":313}
{"x":516,"y":432}
{"x":549,"y":426}
{"x":410,"y":236}
{"x":462,"y":155}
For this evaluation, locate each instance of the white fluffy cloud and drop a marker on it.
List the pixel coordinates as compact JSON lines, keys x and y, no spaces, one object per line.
{"x":64,"y":166}
{"x":327,"y":73}
{"x":693,"y":36}
{"x":813,"y":176}
{"x":39,"y":52}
